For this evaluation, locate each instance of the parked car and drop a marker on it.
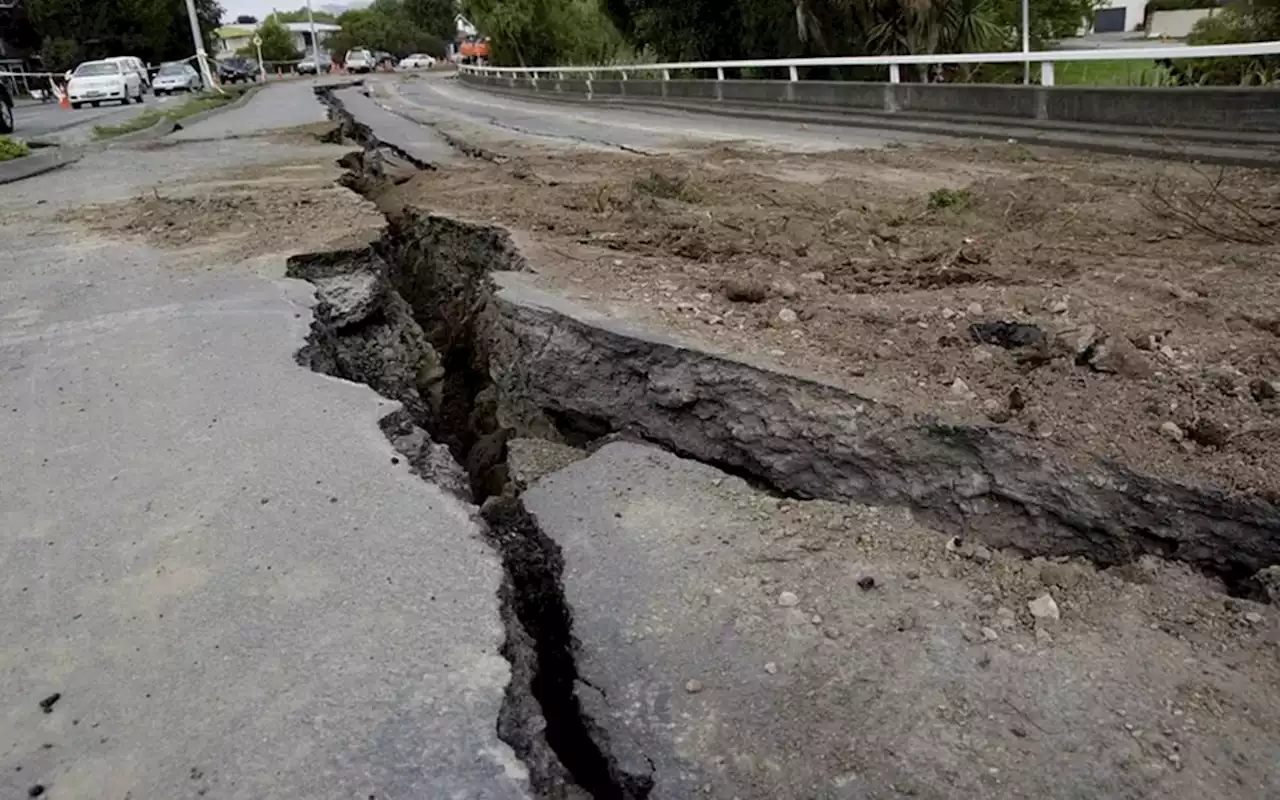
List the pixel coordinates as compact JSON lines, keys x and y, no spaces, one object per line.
{"x":134,"y":65}
{"x":360,"y":60}
{"x":417,"y":61}
{"x":177,"y":76}
{"x":96,"y":82}
{"x":6,"y":110}
{"x":237,"y":70}
{"x":307,"y":66}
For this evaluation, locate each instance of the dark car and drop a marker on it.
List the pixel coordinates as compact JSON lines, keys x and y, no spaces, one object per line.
{"x":6,"y":110}
{"x":237,"y":70}
{"x":384,"y":60}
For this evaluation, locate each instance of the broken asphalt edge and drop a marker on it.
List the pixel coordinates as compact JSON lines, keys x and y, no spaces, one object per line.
{"x":42,"y":159}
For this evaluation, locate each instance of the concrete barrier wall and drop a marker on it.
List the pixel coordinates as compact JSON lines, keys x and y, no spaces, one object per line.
{"x":1224,"y":109}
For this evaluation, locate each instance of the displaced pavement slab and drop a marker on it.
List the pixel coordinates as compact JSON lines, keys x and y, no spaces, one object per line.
{"x":417,"y":141}
{"x":757,"y":647}
{"x":212,"y":555}
{"x":277,"y":105}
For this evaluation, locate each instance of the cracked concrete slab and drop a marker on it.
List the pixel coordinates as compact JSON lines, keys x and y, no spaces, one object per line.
{"x":211,"y":554}
{"x":750,"y":646}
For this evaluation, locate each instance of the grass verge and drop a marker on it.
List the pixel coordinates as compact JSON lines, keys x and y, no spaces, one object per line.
{"x":11,"y":148}
{"x":193,"y":105}
{"x":1110,"y":73}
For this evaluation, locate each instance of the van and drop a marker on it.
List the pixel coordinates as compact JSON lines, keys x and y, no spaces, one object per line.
{"x":360,"y":60}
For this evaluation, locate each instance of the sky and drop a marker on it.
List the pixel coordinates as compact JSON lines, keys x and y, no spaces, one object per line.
{"x":261,"y":8}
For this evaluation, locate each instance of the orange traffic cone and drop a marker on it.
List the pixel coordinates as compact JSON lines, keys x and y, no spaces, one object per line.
{"x":63,"y":100}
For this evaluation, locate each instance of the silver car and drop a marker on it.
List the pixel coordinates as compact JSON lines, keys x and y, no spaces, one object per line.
{"x":176,"y":77}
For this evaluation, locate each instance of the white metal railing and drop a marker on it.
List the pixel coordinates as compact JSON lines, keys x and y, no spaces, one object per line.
{"x":1045,"y":58}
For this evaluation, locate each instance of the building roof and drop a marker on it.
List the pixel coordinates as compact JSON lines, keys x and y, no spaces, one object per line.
{"x":305,"y":27}
{"x":245,"y":31}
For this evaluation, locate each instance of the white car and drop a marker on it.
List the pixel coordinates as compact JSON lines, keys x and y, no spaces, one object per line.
{"x":360,"y":60}
{"x":176,"y":77}
{"x":135,"y":65}
{"x":416,"y":61}
{"x":96,"y":82}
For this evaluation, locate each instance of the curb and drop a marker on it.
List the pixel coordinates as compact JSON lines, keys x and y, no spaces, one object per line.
{"x":40,"y":161}
{"x":165,"y":126}
{"x":1239,"y":154}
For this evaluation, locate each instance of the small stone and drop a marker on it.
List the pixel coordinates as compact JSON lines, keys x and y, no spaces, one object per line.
{"x":693,"y":687}
{"x":960,"y":388}
{"x":831,"y":633}
{"x":1043,"y":636}
{"x":819,"y":277}
{"x":816,"y":619}
{"x":785,"y":288}
{"x":47,"y":704}
{"x":714,"y":320}
{"x":788,"y":317}
{"x":1209,"y":433}
{"x":788,"y":600}
{"x":990,"y":634}
{"x":745,"y":290}
{"x":1058,"y":307}
{"x":1171,"y":431}
{"x":866,"y":583}
{"x":35,"y":791}
{"x":974,"y":310}
{"x":1044,"y":607}
{"x":1253,"y":618}
{"x":948,"y":313}
{"x":771,"y":668}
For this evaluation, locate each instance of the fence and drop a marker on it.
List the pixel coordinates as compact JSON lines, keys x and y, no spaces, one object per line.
{"x":1045,"y":59}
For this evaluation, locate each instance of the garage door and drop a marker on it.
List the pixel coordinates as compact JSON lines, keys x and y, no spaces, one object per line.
{"x":1109,"y":20}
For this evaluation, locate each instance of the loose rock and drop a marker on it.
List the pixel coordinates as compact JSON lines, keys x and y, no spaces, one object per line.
{"x":785,"y":288}
{"x":1269,"y":580}
{"x":788,"y":600}
{"x":1209,"y":433}
{"x":866,"y":583}
{"x":1044,"y":607}
{"x":771,"y":668}
{"x":1263,"y":389}
{"x":1171,"y":431}
{"x":788,"y":317}
{"x":693,"y":686}
{"x":745,"y":290}
{"x":1063,"y":576}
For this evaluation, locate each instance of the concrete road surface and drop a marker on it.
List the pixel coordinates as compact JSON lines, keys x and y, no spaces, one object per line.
{"x":43,"y":121}
{"x":218,"y":578}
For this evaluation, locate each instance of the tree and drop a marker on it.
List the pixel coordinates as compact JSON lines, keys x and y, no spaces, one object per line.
{"x":545,"y":31}
{"x":1256,"y":21}
{"x":153,"y":30}
{"x":301,"y":16}
{"x":277,"y":43}
{"x":436,"y":17}
{"x":385,"y":25}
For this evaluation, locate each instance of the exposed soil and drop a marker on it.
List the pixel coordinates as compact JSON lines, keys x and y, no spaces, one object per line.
{"x":254,"y":209}
{"x":1157,"y":285}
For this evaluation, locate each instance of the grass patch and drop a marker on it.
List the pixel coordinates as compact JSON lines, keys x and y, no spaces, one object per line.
{"x":11,"y":148}
{"x":666,"y":187}
{"x":954,"y":199}
{"x":1110,"y":73}
{"x":193,"y":105}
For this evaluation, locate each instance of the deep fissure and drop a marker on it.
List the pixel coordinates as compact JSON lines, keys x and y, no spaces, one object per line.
{"x":431,"y":336}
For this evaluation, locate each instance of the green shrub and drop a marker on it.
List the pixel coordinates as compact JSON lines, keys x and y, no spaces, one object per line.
{"x":955,"y":199}
{"x":11,"y":148}
{"x":1237,"y":23}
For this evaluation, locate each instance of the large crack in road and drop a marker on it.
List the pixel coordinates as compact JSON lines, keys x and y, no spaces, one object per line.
{"x":437,"y":316}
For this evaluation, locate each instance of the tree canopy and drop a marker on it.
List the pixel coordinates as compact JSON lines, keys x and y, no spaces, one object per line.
{"x":566,"y":31}
{"x":153,"y":30}
{"x":400,"y":27}
{"x":277,"y":44}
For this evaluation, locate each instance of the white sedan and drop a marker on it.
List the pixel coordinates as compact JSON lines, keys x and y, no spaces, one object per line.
{"x":96,"y":82}
{"x":416,"y":61}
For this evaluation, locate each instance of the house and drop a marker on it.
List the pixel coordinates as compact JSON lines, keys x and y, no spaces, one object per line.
{"x":232,"y":38}
{"x":1116,"y":16}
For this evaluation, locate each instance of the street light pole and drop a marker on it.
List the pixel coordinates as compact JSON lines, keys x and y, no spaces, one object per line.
{"x":1026,"y":41}
{"x":196,"y":37}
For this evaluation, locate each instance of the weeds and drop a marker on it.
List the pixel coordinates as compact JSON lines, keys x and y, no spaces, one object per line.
{"x":954,"y":199}
{"x":11,"y":148}
{"x":1217,"y":208}
{"x":665,"y":187}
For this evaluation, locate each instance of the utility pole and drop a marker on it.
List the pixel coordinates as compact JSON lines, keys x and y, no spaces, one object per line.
{"x":315,"y":44}
{"x":196,"y":37}
{"x":1027,"y":41}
